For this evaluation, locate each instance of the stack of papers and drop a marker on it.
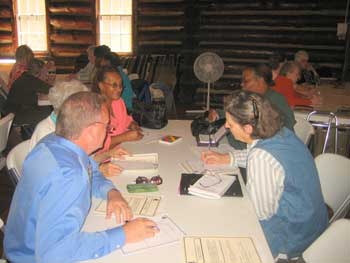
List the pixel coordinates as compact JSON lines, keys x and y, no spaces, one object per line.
{"x":212,"y":186}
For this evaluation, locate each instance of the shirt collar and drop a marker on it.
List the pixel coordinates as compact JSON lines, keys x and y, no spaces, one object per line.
{"x":53,"y":117}
{"x":251,"y":146}
{"x":72,"y":146}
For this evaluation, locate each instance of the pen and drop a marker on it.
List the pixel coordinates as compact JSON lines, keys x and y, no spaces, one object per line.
{"x":209,"y":145}
{"x":108,"y":160}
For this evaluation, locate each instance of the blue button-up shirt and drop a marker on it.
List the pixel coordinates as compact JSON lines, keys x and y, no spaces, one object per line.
{"x":50,"y":204}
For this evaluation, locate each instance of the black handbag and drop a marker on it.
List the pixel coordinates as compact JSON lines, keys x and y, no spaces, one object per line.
{"x":201,"y":125}
{"x":150,"y":115}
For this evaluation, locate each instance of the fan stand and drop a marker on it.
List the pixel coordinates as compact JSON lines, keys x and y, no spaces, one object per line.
{"x":207,"y":106}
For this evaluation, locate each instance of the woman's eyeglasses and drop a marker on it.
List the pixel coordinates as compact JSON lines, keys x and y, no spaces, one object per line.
{"x":108,"y":126}
{"x":154,"y":180}
{"x":210,"y":180}
{"x":113,"y":85}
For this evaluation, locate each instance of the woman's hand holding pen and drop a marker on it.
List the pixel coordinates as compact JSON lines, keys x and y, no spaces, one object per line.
{"x":210,"y":157}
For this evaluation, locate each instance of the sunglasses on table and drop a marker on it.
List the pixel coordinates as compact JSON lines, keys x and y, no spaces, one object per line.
{"x":153,"y":180}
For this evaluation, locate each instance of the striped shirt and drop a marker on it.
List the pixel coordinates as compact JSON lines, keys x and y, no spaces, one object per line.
{"x":265,"y":178}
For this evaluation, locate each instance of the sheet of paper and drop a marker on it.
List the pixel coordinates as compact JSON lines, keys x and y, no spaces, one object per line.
{"x":141,"y":205}
{"x":168,"y":234}
{"x":220,"y":250}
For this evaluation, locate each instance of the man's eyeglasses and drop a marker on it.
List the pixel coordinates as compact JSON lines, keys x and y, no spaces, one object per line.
{"x":107,"y":125}
{"x":114,"y":85}
{"x":154,"y":180}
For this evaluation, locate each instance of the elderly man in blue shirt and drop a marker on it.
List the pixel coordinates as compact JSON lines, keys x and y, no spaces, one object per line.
{"x":53,"y":197}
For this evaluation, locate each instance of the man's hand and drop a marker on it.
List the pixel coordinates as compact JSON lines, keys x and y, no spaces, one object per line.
{"x":139,"y":229}
{"x":110,"y":169}
{"x":116,"y":204}
{"x":210,"y":157}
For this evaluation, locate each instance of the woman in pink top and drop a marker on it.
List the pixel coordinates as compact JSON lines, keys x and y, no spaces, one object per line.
{"x":122,"y":126}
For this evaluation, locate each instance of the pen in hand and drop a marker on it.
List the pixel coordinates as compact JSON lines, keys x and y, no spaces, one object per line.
{"x":209,"y":145}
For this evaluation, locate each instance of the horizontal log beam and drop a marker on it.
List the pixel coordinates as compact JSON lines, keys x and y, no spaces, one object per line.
{"x":160,"y":28}
{"x":66,"y":24}
{"x":161,"y":13}
{"x":274,"y":13}
{"x":267,"y":28}
{"x":270,"y":45}
{"x":80,"y":11}
{"x":5,"y":26}
{"x":73,"y":39}
{"x":160,"y":43}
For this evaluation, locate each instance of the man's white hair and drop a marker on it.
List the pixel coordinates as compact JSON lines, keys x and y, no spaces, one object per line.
{"x":62,"y":90}
{"x":301,"y":55}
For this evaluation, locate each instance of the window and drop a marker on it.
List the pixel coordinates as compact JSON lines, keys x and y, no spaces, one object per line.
{"x":31,"y":24}
{"x":115,"y":22}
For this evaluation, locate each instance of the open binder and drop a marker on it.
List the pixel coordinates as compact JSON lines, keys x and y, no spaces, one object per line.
{"x":188,"y":180}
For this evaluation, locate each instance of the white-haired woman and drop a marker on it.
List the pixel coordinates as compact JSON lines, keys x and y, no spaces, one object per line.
{"x":308,"y":74}
{"x":57,"y":95}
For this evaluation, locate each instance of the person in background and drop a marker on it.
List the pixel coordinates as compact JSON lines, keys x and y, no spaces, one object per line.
{"x":282,"y":179}
{"x":22,"y":99}
{"x":48,"y":73}
{"x":57,"y":95}
{"x":53,"y":197}
{"x":286,"y":82}
{"x":258,"y":79}
{"x":86,"y":74}
{"x":123,"y":127}
{"x":308,"y":74}
{"x":276,"y":61}
{"x":112,"y":59}
{"x":99,"y":53}
{"x":23,"y":56}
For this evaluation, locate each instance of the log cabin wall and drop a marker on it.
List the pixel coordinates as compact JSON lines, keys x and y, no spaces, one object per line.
{"x":7,"y":38}
{"x":242,"y":33}
{"x":71,"y":30}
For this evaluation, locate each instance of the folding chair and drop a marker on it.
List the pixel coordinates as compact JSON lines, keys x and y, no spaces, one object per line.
{"x":15,"y":160}
{"x":332,"y":245}
{"x":334,"y":173}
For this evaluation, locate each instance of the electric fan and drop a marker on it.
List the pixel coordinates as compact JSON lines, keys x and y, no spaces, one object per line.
{"x":208,"y":68}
